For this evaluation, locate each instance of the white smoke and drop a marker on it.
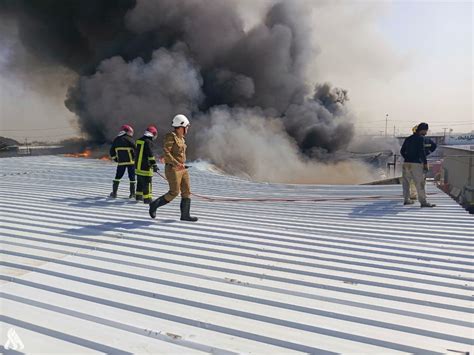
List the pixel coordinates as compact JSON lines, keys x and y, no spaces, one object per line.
{"x":245,"y":142}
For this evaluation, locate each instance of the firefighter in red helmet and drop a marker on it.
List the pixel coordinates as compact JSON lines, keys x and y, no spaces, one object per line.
{"x":145,"y":164}
{"x":122,"y":151}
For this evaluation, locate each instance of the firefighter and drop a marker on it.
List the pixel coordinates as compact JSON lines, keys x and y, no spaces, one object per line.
{"x":122,"y":151}
{"x":430,"y":147}
{"x":415,"y":165}
{"x":145,"y":164}
{"x":174,"y":150}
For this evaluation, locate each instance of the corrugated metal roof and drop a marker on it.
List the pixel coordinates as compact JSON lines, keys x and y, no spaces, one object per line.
{"x":83,"y":273}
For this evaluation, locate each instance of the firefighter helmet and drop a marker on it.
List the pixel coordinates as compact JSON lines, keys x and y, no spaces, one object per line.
{"x":151,"y":129}
{"x":180,"y":121}
{"x":127,"y":129}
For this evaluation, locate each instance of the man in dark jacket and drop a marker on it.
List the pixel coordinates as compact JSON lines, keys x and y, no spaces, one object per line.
{"x":122,"y":151}
{"x":145,"y":165}
{"x":430,"y":147}
{"x":415,"y":165}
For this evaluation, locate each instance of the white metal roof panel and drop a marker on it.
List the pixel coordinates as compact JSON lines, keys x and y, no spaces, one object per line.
{"x":82,"y":273}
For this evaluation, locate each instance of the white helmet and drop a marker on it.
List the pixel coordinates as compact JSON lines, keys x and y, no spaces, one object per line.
{"x":180,"y":121}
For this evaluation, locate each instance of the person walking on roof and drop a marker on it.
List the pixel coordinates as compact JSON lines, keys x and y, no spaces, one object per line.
{"x":415,"y":165}
{"x":122,"y":151}
{"x":145,"y":165}
{"x":174,"y":149}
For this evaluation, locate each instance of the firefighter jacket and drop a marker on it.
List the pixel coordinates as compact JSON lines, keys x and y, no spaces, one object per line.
{"x":145,"y":160}
{"x":123,"y":150}
{"x":174,"y":149}
{"x":413,"y":149}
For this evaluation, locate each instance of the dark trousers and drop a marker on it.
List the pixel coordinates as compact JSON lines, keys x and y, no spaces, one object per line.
{"x":121,"y":171}
{"x":144,"y":186}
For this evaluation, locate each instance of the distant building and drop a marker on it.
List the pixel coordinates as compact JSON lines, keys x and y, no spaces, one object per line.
{"x":458,"y":171}
{"x":460,"y":139}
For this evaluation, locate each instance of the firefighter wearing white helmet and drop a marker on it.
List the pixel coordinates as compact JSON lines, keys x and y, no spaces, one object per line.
{"x":180,"y":121}
{"x":174,"y":149}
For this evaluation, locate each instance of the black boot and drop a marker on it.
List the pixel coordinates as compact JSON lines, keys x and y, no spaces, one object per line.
{"x":132,"y":190}
{"x":139,"y":198}
{"x":160,"y":201}
{"x":185,"y":207}
{"x":147,"y":201}
{"x":115,"y":186}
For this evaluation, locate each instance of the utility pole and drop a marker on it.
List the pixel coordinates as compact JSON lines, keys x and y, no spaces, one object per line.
{"x":444,"y":135}
{"x":386,"y":124}
{"x":26,"y":146}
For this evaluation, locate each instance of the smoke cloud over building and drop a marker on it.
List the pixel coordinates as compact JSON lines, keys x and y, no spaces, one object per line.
{"x":252,"y":107}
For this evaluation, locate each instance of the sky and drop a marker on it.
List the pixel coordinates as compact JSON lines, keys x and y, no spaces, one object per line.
{"x":439,"y":39}
{"x":412,"y":60}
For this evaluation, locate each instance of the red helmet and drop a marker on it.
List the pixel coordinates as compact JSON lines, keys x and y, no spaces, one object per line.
{"x":152,"y":129}
{"x":127,"y":129}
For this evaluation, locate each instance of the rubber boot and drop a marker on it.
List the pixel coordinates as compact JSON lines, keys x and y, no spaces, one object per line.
{"x":115,"y":186}
{"x":185,"y":208}
{"x":147,"y":201}
{"x":138,"y":198}
{"x":160,"y":201}
{"x":132,"y":191}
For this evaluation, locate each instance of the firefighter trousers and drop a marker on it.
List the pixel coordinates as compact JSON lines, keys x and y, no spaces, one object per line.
{"x":178,"y":181}
{"x":121,"y":171}
{"x":144,"y":186}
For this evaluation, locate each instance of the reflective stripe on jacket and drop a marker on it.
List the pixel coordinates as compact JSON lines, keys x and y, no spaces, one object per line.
{"x":123,"y":150}
{"x":145,"y":157}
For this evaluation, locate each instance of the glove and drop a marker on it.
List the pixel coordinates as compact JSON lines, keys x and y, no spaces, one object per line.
{"x":425,"y":168}
{"x":115,"y":159}
{"x":155,"y":168}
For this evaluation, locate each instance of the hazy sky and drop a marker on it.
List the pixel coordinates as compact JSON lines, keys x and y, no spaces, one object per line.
{"x":412,"y":60}
{"x":438,"y":38}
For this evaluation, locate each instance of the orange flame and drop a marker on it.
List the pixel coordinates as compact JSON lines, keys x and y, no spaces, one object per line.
{"x":85,"y":154}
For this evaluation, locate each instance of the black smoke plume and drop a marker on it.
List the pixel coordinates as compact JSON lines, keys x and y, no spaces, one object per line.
{"x":144,"y":61}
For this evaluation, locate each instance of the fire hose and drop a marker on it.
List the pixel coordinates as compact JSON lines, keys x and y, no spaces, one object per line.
{"x":288,"y":199}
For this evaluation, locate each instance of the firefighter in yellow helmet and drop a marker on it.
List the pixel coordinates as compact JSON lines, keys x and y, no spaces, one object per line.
{"x":174,"y":149}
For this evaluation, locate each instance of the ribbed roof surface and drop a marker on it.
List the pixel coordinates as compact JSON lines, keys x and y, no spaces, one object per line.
{"x":82,"y":273}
